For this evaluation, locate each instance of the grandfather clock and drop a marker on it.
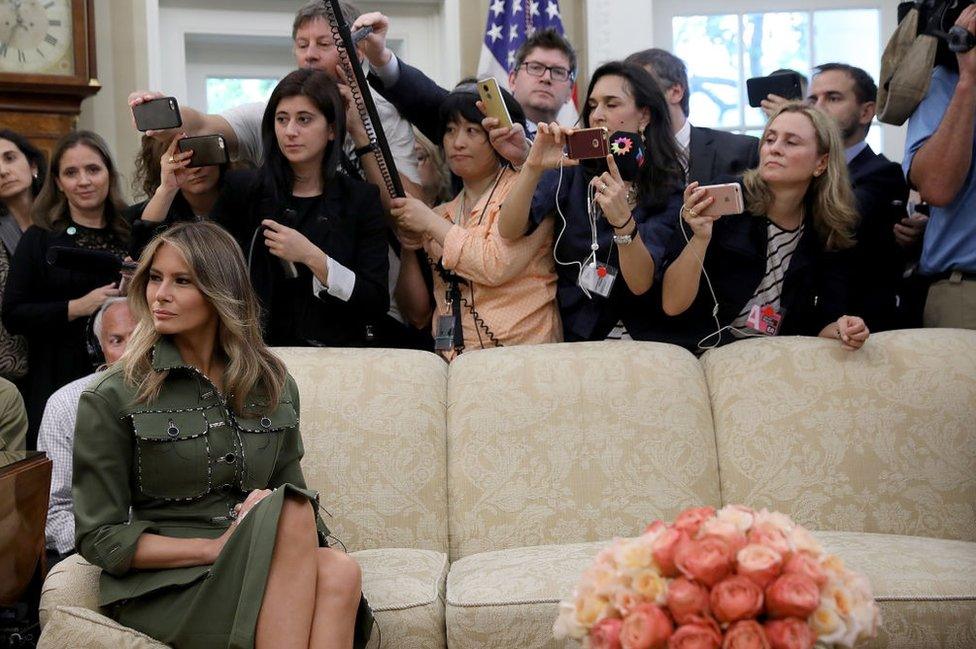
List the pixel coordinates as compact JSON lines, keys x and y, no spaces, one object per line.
{"x":47,"y":66}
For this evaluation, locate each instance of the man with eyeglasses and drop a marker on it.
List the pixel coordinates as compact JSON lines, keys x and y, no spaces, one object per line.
{"x":541,"y":79}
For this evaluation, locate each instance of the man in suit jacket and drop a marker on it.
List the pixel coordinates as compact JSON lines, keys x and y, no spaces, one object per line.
{"x":847,"y":94}
{"x":710,"y":153}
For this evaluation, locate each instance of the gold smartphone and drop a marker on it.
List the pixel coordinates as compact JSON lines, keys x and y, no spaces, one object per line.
{"x":491,"y":97}
{"x":728,"y":200}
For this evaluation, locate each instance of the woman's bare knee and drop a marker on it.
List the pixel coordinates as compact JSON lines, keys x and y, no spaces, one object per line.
{"x":339,"y":573}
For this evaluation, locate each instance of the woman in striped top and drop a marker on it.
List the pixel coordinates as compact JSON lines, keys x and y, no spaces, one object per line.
{"x":781,"y":267}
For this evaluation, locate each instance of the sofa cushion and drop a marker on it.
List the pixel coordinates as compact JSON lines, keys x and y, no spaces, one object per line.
{"x":74,"y":626}
{"x":878,"y":440}
{"x":926,"y":589}
{"x":373,"y":425}
{"x":405,"y":588}
{"x":574,"y":442}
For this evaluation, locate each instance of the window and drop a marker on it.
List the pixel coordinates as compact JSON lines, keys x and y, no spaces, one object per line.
{"x":723,"y":50}
{"x":225,"y":92}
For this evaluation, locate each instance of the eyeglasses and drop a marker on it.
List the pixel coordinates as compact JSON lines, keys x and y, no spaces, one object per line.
{"x":537,"y":69}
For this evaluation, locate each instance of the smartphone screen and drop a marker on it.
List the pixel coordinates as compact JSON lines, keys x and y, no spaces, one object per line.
{"x":157,"y":114}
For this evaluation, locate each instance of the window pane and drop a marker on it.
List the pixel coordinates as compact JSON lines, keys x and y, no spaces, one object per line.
{"x":709,"y":46}
{"x":773,"y":41}
{"x":849,"y":36}
{"x":224,"y":93}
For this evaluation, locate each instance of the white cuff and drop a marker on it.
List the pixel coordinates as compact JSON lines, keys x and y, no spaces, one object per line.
{"x":389,"y":72}
{"x":342,"y":281}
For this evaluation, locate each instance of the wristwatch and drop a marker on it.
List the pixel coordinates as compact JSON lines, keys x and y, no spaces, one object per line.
{"x":625,"y":239}
{"x":366,"y":148}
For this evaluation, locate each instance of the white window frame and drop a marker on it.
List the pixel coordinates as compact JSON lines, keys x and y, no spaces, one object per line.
{"x":893,"y":137}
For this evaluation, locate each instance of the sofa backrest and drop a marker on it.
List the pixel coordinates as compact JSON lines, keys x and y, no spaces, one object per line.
{"x":574,"y":442}
{"x":878,"y":440}
{"x":373,"y":425}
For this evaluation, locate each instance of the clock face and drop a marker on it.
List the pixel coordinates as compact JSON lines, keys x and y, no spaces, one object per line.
{"x":36,"y":37}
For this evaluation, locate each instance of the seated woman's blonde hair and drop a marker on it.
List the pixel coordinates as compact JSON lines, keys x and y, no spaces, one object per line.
{"x":218,"y":270}
{"x":829,"y":198}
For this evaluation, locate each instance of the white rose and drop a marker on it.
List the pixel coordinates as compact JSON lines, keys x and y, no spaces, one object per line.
{"x":566,"y":624}
{"x":739,"y":515}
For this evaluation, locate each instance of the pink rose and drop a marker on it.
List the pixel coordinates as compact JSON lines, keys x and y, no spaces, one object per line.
{"x":707,"y":560}
{"x":771,"y":536}
{"x":802,"y":563}
{"x":663,"y":550}
{"x":736,"y":598}
{"x":686,"y":599}
{"x":745,"y":634}
{"x":691,"y":519}
{"x":655,"y":527}
{"x":759,"y":563}
{"x":791,"y":633}
{"x":647,"y":627}
{"x":792,"y":595}
{"x":605,"y":634}
{"x":703,"y":633}
{"x":725,"y":530}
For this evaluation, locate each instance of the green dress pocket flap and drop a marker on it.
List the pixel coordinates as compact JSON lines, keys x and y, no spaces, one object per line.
{"x":283,"y":417}
{"x":163,"y":426}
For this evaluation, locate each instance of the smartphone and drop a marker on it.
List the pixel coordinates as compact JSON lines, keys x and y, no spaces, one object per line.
{"x":157,"y":114}
{"x":786,"y":85}
{"x":491,"y":97}
{"x":728,"y":200}
{"x":207,"y":150}
{"x":588,"y":143}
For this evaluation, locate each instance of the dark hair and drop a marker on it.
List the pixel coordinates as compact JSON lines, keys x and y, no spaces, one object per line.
{"x":315,"y":10}
{"x":460,"y":104}
{"x":667,"y":69}
{"x":662,"y":172}
{"x":865,"y":89}
{"x":50,"y":211}
{"x":547,"y":39}
{"x":323,"y":92}
{"x":34,"y":157}
{"x":149,"y":171}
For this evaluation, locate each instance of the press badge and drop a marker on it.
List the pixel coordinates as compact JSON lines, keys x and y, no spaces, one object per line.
{"x":765,"y":320}
{"x":598,"y":278}
{"x":444,"y":336}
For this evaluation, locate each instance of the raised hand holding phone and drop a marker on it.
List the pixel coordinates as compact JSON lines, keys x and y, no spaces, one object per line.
{"x":696,"y":201}
{"x":546,"y":151}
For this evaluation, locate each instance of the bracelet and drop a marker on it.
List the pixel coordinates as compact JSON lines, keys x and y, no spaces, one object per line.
{"x":622,"y":225}
{"x":363,"y":150}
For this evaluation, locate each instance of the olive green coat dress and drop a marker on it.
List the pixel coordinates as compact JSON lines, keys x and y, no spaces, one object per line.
{"x":177,"y":467}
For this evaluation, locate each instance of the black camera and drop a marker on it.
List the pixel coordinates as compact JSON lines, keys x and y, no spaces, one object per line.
{"x":937,"y":18}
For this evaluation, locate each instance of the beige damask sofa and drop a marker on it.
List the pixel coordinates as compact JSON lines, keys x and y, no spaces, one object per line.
{"x":473,"y":495}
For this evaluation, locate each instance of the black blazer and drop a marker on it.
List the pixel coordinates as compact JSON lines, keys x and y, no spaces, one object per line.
{"x":815,"y":287}
{"x":713,"y":153}
{"x":417,"y":97}
{"x":881,"y":192}
{"x":349,"y":227}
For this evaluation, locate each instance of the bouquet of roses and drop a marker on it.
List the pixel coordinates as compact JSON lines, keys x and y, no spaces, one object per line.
{"x":731,"y":579}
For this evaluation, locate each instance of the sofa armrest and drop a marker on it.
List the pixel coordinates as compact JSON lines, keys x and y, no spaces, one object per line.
{"x":69,"y":627}
{"x":73,"y":582}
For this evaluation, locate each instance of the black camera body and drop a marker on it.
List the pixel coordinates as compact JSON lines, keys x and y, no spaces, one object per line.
{"x":937,"y":18}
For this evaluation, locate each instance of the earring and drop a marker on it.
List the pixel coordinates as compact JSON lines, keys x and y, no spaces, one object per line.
{"x":35,"y":175}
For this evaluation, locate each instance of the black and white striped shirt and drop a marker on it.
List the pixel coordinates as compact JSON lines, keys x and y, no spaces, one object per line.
{"x":780,"y":245}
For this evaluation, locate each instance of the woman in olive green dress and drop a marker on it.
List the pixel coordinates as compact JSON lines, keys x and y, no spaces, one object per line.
{"x":187,"y":484}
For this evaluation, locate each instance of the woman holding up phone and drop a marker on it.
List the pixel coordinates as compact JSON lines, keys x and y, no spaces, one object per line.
{"x":779,"y":267}
{"x":80,"y":206}
{"x":177,"y":191}
{"x":315,"y":239}
{"x":606,"y":254}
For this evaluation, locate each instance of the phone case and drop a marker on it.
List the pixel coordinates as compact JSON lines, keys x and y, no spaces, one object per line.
{"x":158,"y":114}
{"x":494,"y":103}
{"x":588,"y":143}
{"x":207,"y":150}
{"x":784,"y":85}
{"x":728,"y":200}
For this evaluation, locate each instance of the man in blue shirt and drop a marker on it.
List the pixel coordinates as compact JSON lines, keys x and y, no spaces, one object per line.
{"x":939,"y":163}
